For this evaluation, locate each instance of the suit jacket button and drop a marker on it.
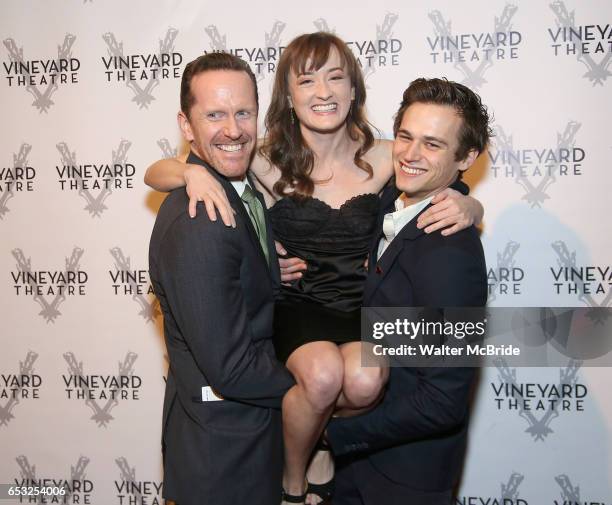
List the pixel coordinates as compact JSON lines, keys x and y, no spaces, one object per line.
{"x":378,"y":270}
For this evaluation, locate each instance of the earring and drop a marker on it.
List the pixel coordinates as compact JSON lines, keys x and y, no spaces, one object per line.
{"x":291,"y":115}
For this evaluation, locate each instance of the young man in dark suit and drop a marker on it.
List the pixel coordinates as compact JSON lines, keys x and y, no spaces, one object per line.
{"x":222,"y":433}
{"x":409,"y":449}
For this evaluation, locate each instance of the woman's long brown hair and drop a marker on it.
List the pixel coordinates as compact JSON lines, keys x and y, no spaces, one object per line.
{"x":284,"y":146}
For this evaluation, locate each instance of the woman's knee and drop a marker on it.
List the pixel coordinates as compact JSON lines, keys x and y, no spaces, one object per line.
{"x":321,"y":379}
{"x":363,"y":385}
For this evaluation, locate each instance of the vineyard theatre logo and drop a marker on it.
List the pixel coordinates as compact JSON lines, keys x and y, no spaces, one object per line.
{"x":570,"y":494}
{"x":537,"y":402}
{"x":262,"y":59}
{"x":381,"y":51}
{"x":506,"y":277}
{"x":142,"y":72}
{"x":127,"y":281}
{"x":587,"y":282}
{"x":16,"y":387}
{"x":535,"y":169}
{"x":109,"y":390}
{"x":16,"y":179}
{"x":323,"y":26}
{"x":102,"y":177}
{"x":41,"y":77}
{"x":78,"y":488}
{"x":49,"y":288}
{"x":509,"y":494}
{"x":167,"y":150}
{"x":582,"y":42}
{"x":136,"y":492}
{"x":474,"y":53}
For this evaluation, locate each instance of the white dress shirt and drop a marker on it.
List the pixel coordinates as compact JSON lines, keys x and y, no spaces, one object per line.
{"x":395,"y":221}
{"x":239,"y":187}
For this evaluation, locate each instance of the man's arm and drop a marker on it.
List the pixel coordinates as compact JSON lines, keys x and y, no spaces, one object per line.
{"x":201,"y":265}
{"x":440,"y":400}
{"x":436,"y":407}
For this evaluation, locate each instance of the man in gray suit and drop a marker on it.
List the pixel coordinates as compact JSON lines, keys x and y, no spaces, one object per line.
{"x":216,"y":286}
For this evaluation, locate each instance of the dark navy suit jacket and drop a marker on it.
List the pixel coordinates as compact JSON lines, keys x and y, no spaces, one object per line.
{"x":416,"y":437}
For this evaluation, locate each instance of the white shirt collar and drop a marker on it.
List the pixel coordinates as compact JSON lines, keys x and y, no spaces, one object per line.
{"x":394,"y":222}
{"x":240,"y":185}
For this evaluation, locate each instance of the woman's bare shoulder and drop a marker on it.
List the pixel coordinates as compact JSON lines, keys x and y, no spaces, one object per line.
{"x":262,"y":168}
{"x":265,"y":173}
{"x":382,"y":147}
{"x":379,"y":156}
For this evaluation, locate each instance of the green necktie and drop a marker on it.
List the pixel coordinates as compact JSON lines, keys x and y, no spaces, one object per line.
{"x":256,"y":213}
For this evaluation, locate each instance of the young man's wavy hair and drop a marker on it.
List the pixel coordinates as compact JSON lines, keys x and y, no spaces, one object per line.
{"x":284,"y":145}
{"x":475,"y":131}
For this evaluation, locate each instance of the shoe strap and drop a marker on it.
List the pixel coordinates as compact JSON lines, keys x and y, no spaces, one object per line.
{"x":293,"y":498}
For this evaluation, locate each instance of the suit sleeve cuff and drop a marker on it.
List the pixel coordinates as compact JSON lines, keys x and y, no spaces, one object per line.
{"x":338,"y":437}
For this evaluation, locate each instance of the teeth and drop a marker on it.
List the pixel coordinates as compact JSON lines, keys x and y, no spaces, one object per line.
{"x":324,"y":108}
{"x":412,"y":171}
{"x":230,"y":148}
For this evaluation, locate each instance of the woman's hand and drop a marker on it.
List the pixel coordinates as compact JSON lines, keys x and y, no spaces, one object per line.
{"x":201,"y":186}
{"x":451,"y":211}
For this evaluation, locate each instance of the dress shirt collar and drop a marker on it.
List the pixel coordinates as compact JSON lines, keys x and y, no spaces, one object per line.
{"x":394,"y":222}
{"x":240,"y":185}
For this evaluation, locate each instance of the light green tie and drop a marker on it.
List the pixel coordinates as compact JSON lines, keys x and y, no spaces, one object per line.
{"x":256,"y":213}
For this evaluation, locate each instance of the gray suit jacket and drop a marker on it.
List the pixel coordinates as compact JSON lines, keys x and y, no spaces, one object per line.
{"x":217,"y":296}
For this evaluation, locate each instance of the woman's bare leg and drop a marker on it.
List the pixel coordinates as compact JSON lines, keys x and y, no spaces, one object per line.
{"x":362,"y":386}
{"x":362,"y":389}
{"x":318,"y":370}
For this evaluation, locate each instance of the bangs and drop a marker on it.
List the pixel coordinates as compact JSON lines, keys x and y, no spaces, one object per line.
{"x":313,"y":52}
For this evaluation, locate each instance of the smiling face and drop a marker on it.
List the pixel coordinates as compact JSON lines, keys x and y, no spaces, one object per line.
{"x":424,"y":150}
{"x":222,"y":122}
{"x":322,"y":98}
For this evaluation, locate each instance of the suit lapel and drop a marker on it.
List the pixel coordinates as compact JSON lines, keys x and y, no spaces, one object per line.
{"x":238,"y":205}
{"x":273,"y":265}
{"x":387,"y":199}
{"x":381,"y":268}
{"x":378,"y":269}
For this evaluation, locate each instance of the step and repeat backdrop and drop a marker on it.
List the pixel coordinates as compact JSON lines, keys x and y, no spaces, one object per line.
{"x":89,"y":91}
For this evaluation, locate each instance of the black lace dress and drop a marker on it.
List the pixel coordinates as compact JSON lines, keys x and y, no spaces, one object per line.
{"x":325,"y":303}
